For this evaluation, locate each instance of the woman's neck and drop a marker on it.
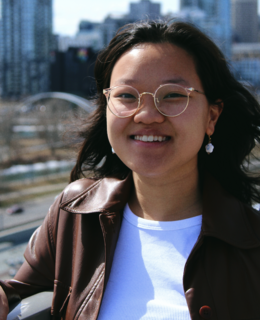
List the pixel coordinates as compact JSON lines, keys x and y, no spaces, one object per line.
{"x":168,"y":200}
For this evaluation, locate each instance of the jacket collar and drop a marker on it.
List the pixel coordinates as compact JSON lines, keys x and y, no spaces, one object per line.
{"x":224,"y":217}
{"x":104,"y":195}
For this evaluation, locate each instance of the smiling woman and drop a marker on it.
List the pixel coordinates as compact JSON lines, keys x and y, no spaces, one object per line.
{"x":165,"y":228}
{"x":180,"y":134}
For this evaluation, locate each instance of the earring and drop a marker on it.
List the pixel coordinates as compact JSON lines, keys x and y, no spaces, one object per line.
{"x":113,"y":151}
{"x":209,"y":147}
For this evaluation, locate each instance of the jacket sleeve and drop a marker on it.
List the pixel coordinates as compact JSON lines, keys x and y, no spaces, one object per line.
{"x":38,"y":271}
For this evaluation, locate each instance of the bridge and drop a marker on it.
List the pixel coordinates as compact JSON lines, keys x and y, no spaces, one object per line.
{"x":79,"y":101}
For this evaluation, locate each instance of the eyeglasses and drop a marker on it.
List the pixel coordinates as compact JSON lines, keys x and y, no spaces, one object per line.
{"x":170,"y":100}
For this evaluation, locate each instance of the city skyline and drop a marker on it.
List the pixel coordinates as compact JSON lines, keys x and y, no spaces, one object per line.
{"x":67,"y":17}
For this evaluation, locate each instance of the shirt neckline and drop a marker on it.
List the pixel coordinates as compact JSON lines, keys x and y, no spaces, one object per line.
{"x":160,"y":225}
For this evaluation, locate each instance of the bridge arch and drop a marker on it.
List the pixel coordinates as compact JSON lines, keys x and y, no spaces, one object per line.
{"x":79,"y":101}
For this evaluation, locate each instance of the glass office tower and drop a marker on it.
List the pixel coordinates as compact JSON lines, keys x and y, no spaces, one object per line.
{"x":216,"y":22}
{"x":26,"y":42}
{"x":245,"y":21}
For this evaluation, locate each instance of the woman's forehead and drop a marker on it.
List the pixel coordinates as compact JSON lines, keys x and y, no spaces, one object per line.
{"x":164,"y":62}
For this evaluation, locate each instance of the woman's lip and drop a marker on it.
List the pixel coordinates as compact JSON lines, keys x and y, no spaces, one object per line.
{"x":149,"y":133}
{"x":148,"y":144}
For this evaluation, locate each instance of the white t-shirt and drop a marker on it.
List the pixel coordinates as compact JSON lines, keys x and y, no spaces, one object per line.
{"x":146,"y":276}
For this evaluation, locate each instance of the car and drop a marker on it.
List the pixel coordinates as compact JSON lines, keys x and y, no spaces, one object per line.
{"x":14,"y":209}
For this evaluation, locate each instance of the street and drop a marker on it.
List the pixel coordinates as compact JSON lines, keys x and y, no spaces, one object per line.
{"x":33,"y":210}
{"x":11,"y":256}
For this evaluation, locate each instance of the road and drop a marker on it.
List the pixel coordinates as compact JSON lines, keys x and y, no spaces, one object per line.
{"x":33,"y":210}
{"x":11,"y":256}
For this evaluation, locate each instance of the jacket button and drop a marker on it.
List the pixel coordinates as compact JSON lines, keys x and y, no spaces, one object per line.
{"x":205,"y":312}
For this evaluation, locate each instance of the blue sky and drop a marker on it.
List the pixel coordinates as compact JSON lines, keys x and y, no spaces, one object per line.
{"x":68,"y":13}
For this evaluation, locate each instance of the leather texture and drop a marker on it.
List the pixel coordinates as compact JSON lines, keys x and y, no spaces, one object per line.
{"x":72,"y":253}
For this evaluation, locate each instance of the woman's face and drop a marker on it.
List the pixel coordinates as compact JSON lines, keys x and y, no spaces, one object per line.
{"x":145,"y":68}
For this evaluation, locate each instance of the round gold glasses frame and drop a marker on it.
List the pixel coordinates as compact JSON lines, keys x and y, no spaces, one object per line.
{"x":107,"y":92}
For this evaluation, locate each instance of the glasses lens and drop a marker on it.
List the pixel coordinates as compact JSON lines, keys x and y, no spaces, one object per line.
{"x":123,"y":101}
{"x":171,"y":99}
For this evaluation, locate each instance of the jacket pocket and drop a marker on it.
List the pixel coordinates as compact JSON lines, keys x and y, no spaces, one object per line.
{"x":61,"y":295}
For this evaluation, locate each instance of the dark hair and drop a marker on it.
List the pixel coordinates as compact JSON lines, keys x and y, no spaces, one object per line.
{"x":236,"y":132}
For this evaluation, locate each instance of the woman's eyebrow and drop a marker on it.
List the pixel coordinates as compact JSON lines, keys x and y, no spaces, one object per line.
{"x":125,"y":81}
{"x":177,"y":80}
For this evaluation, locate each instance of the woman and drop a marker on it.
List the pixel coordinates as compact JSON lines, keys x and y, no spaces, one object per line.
{"x":166,"y":229}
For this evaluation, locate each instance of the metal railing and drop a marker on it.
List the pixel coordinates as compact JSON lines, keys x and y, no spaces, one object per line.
{"x":36,"y":307}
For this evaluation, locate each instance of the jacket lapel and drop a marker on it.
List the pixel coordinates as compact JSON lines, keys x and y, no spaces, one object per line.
{"x":105,"y":195}
{"x":225,"y":217}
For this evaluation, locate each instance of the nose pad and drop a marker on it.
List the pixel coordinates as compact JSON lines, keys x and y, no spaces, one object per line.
{"x":147,"y":111}
{"x":142,"y":100}
{"x":146,"y":107}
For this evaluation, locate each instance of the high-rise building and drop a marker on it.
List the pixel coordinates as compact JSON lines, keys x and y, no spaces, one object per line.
{"x":216,"y":21}
{"x":110,"y":26}
{"x":188,"y":3}
{"x":246,"y":62}
{"x":245,"y":20}
{"x":72,"y":71}
{"x":209,"y":6}
{"x":144,"y":9}
{"x":89,"y":35}
{"x":26,"y":42}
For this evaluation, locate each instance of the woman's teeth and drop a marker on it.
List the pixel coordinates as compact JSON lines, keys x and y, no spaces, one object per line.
{"x":150,"y":138}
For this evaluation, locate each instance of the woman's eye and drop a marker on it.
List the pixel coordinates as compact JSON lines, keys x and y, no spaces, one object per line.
{"x":174,"y":95}
{"x":126,"y":96}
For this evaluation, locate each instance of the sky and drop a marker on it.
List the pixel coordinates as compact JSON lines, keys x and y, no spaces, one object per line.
{"x":68,"y":13}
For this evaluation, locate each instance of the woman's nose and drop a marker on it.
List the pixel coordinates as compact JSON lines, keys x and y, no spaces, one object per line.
{"x":147,"y":112}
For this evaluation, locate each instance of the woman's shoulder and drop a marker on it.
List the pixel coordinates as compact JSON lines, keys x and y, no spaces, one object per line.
{"x":89,"y":194}
{"x":76,"y":188}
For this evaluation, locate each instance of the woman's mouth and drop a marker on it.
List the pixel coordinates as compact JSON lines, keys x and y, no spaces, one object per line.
{"x":150,"y":138}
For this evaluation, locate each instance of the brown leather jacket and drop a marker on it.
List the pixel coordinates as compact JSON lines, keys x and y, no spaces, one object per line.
{"x":72,"y":253}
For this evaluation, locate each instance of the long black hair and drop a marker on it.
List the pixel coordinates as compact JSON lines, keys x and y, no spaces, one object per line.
{"x":237,"y":130}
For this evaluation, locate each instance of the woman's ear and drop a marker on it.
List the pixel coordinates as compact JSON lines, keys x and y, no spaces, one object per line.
{"x":214,"y":113}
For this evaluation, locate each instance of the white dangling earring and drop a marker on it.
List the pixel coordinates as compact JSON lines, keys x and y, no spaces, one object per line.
{"x":113,"y":151}
{"x":209,"y":147}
